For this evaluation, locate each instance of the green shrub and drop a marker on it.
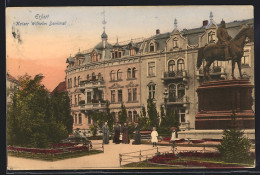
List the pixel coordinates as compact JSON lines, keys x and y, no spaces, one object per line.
{"x":235,"y":147}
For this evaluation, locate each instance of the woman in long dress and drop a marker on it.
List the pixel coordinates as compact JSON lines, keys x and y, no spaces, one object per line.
{"x":154,"y":136}
{"x":117,"y":134}
{"x":137,"y":136}
{"x":126,"y":139}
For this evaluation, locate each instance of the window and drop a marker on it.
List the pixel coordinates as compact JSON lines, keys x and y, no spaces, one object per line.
{"x":175,"y":42}
{"x":76,"y":119}
{"x":135,"y":116}
{"x":211,"y":37}
{"x":68,"y":83}
{"x":182,"y":115}
{"x":134,"y":94}
{"x":80,"y":119}
{"x":93,"y":76}
{"x":79,"y":98}
{"x":113,"y":96}
{"x":245,"y":58}
{"x":128,"y":73}
{"x":78,"y":80}
{"x":171,"y":66}
{"x":75,"y":97}
{"x":88,"y":77}
{"x":152,"y":47}
{"x":130,"y":116}
{"x":151,"y":91}
{"x":88,"y":97}
{"x":172,"y":93}
{"x":129,"y":94}
{"x":181,"y":91}
{"x":180,"y":65}
{"x":132,"y":52}
{"x":112,"y":76}
{"x":75,"y":81}
{"x":70,"y":100}
{"x":119,"y":75}
{"x":89,"y":120}
{"x":151,"y":69}
{"x":99,"y":77}
{"x":120,"y":95}
{"x":133,"y":72}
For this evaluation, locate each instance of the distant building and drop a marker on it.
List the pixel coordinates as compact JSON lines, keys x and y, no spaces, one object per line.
{"x":12,"y":84}
{"x":60,"y":88}
{"x":162,"y":67}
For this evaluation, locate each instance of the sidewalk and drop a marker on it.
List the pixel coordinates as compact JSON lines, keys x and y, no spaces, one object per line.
{"x":107,"y":160}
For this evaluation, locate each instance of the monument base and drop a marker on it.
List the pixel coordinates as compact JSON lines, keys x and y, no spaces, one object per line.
{"x":225,"y":104}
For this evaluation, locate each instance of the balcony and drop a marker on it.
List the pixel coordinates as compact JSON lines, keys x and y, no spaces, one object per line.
{"x":90,"y":84}
{"x":177,"y":100}
{"x":92,"y":106}
{"x":215,"y":71}
{"x":175,"y":75}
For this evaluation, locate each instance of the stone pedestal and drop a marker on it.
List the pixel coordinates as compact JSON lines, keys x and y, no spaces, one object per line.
{"x":225,"y":104}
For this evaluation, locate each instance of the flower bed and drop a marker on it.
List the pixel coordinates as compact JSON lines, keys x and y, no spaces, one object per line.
{"x":167,"y":139}
{"x":185,"y":159}
{"x":47,"y":151}
{"x":62,"y":145}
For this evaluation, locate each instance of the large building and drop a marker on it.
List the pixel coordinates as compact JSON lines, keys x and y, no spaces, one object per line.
{"x":12,"y":84}
{"x":162,"y":67}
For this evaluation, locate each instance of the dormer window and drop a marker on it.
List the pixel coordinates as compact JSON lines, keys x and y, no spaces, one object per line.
{"x":211,"y":37}
{"x":116,"y":54}
{"x":175,"y":42}
{"x":132,"y":52}
{"x":152,"y":49}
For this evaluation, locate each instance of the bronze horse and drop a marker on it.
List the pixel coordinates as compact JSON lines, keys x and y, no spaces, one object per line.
{"x":214,"y":52}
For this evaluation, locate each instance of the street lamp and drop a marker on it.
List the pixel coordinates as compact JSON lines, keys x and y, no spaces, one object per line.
{"x":165,"y":99}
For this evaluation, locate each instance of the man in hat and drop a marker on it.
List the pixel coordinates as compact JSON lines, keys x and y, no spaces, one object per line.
{"x":137,"y":136}
{"x":224,"y":39}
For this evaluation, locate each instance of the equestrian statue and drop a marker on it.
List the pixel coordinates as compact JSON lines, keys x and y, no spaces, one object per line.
{"x":225,"y":49}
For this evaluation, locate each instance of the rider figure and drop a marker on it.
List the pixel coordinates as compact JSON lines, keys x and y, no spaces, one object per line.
{"x":223,"y":39}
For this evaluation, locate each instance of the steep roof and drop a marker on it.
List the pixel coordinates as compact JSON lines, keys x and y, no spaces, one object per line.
{"x":60,"y":88}
{"x":11,"y":78}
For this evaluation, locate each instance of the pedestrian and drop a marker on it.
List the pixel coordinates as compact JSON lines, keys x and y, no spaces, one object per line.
{"x":105,"y":131}
{"x":116,"y":139}
{"x":125,"y":136}
{"x":154,"y":136}
{"x":173,"y":136}
{"x":137,"y":136}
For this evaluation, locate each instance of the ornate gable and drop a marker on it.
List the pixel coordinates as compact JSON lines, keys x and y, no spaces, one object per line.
{"x":131,"y":84}
{"x":115,"y":86}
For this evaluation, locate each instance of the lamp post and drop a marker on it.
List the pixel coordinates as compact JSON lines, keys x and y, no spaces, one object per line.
{"x":165,"y":99}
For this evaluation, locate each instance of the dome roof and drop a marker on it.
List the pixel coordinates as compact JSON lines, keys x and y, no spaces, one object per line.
{"x":99,"y":46}
{"x":104,"y":35}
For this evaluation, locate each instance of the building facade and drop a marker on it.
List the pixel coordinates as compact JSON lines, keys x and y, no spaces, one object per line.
{"x":161,"y":67}
{"x":12,"y":85}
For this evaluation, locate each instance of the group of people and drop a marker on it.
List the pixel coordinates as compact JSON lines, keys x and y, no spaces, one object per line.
{"x":137,"y":137}
{"x":121,"y":131}
{"x":154,"y":136}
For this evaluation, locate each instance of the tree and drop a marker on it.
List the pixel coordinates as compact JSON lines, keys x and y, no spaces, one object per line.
{"x":168,"y":121}
{"x":144,"y":120}
{"x":109,"y":118}
{"x":122,"y":117}
{"x":31,"y":118}
{"x":152,"y":113}
{"x":235,"y":147}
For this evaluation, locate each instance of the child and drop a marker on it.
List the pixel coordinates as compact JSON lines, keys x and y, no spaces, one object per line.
{"x":154,"y":136}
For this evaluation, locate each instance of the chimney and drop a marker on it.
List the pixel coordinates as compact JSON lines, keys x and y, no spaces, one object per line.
{"x":205,"y":23}
{"x":157,"y":31}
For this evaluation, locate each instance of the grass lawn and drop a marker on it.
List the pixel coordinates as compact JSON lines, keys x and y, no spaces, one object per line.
{"x":54,"y":157}
{"x":147,"y":165}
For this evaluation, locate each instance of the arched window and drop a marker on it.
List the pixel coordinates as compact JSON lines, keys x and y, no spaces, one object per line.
{"x":135,"y":116}
{"x":129,"y":73}
{"x":171,"y":66}
{"x":133,"y":72}
{"x":80,"y":119}
{"x":180,"y":65}
{"x":99,"y":76}
{"x":112,"y":75}
{"x":152,"y":47}
{"x":181,"y":90}
{"x":93,"y":76}
{"x":119,"y":74}
{"x":130,"y":116}
{"x":172,"y":93}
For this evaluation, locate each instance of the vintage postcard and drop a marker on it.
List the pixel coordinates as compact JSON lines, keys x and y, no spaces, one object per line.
{"x":130,"y":87}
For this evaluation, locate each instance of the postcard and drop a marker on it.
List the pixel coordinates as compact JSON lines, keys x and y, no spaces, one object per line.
{"x":130,"y":87}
